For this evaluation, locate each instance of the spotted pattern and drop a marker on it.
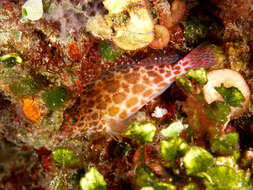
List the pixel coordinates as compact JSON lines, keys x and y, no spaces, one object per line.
{"x":120,"y":94}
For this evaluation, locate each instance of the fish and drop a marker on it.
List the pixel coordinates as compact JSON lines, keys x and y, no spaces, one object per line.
{"x":113,"y":99}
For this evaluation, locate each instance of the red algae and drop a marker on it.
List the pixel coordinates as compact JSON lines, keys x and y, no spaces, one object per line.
{"x":74,"y":51}
{"x":203,"y":128}
{"x":235,"y":15}
{"x":170,"y":15}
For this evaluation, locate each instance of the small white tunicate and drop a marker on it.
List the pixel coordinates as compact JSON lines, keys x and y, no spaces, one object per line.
{"x":33,"y":9}
{"x":159,"y":112}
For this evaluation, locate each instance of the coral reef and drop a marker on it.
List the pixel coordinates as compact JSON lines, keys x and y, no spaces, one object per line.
{"x":108,"y":62}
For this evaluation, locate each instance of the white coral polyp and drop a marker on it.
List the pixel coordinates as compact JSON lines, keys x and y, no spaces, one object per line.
{"x":33,"y":9}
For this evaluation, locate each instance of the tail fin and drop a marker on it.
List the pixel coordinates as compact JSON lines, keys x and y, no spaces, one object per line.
{"x":205,"y":55}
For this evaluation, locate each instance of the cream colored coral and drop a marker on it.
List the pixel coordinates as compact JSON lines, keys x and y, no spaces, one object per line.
{"x":98,"y":27}
{"x":137,"y":33}
{"x":117,"y":6}
{"x":228,"y":78}
{"x":33,"y":9}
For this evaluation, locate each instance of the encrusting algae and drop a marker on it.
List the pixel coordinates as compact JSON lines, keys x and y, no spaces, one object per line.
{"x":31,"y":109}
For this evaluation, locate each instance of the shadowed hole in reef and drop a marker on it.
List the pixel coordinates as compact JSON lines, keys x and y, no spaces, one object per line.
{"x":3,"y":102}
{"x":244,"y":126}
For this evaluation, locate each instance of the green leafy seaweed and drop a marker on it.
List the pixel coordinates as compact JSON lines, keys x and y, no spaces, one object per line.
{"x":55,"y":98}
{"x":184,"y":83}
{"x":232,"y":95}
{"x":197,"y":74}
{"x":226,"y":144}
{"x":109,"y":51}
{"x":65,"y":157}
{"x":93,"y":180}
{"x":146,"y":179}
{"x":173,"y":130}
{"x":197,"y":160}
{"x":24,"y":87}
{"x":164,"y":186}
{"x":173,"y":148}
{"x":190,"y":186}
{"x":224,"y":178}
{"x":144,"y":132}
{"x":145,"y":176}
{"x":218,"y":112}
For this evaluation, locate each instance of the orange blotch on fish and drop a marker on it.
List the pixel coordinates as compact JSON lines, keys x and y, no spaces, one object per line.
{"x":152,"y":74}
{"x":131,"y":102}
{"x":90,"y":103}
{"x":94,"y":116}
{"x":161,"y":70}
{"x":94,"y":124}
{"x":125,"y":86}
{"x":118,"y":98}
{"x":136,"y":69}
{"x":93,"y":92}
{"x":177,"y":72}
{"x":142,"y":71}
{"x":177,"y":68}
{"x":185,"y":63}
{"x":158,"y":79}
{"x":123,"y":114}
{"x":150,"y":67}
{"x":163,"y":84}
{"x":148,"y":93}
{"x":124,"y":71}
{"x":172,"y":79}
{"x":98,"y":98}
{"x":112,"y":87}
{"x":168,"y":74}
{"x":31,"y":109}
{"x":113,"y":110}
{"x":132,"y":78}
{"x":99,"y":84}
{"x":146,"y":80}
{"x":134,"y":109}
{"x":117,"y":77}
{"x":143,"y":102}
{"x":107,"y":98}
{"x":110,"y":78}
{"x":101,"y":105}
{"x":138,"y":88}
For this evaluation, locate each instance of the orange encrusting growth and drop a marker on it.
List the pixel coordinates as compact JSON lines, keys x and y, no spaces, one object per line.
{"x":31,"y":109}
{"x":120,"y":94}
{"x":162,"y":37}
